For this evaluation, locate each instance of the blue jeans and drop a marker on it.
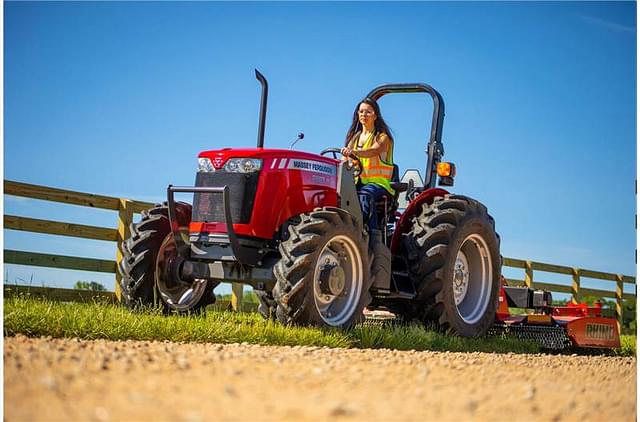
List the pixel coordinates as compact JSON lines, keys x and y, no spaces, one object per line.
{"x":369,"y":194}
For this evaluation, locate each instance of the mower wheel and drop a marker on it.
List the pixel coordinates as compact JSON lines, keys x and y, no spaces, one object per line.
{"x":147,"y":255}
{"x":322,"y":278}
{"x":453,"y":254}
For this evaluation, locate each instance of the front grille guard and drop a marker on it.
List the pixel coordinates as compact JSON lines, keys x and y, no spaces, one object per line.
{"x":241,"y":254}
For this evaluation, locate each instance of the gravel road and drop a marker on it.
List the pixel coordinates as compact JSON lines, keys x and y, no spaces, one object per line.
{"x":62,"y":379}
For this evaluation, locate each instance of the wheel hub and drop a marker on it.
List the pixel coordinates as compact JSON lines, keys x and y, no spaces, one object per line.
{"x":460,"y":277}
{"x":472,"y":278}
{"x":332,"y":279}
{"x":180,"y":295}
{"x":338,"y":280}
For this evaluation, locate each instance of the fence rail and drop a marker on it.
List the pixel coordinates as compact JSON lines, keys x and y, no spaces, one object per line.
{"x":127,"y":208}
{"x":63,"y":295}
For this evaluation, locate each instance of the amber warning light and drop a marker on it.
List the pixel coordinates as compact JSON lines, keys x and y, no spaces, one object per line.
{"x":446,"y":169}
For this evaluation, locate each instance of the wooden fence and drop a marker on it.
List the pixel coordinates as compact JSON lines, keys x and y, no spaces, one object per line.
{"x":575,"y":289}
{"x":126,"y":209}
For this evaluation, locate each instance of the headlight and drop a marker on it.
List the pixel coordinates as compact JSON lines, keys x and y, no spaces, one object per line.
{"x":205,"y":166}
{"x":243,"y":165}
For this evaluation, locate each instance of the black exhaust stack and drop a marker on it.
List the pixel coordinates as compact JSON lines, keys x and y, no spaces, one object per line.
{"x":263,"y":107}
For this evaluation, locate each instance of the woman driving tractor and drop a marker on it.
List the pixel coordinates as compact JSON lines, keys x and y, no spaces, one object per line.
{"x":369,"y":139}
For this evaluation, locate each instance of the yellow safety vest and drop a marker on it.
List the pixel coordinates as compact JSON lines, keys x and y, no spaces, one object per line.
{"x":375,"y":169}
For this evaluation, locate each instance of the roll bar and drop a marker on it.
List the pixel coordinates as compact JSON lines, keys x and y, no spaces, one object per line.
{"x":435,"y":149}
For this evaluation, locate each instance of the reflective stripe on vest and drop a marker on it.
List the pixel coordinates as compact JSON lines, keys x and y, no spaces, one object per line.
{"x":374,"y":169}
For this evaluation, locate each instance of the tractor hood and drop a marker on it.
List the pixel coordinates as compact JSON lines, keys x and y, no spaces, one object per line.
{"x":274,"y":159}
{"x":263,"y":195}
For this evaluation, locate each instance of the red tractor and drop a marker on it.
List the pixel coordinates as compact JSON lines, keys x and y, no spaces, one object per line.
{"x":289,"y":224}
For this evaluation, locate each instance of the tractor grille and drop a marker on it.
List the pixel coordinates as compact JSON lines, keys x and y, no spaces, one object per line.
{"x":208,"y":207}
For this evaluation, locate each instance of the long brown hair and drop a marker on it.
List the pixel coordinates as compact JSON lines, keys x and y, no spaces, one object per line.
{"x":379,"y":124}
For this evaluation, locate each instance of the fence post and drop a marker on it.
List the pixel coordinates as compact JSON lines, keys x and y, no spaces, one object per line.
{"x":619,"y":303}
{"x":125,"y":218}
{"x":528,"y":274}
{"x":575,"y":287}
{"x":236,"y":296}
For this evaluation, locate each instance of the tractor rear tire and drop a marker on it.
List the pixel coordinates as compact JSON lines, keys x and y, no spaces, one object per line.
{"x":139,"y":267}
{"x":453,"y":254}
{"x":323,"y":276}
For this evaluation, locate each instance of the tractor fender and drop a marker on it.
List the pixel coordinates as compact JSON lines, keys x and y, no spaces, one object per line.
{"x":415,"y":206}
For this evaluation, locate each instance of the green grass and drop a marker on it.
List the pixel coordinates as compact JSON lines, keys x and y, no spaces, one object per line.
{"x":35,"y":317}
{"x":627,"y":345}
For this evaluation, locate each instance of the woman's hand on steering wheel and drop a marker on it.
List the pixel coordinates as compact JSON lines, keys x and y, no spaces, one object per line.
{"x":353,"y":162}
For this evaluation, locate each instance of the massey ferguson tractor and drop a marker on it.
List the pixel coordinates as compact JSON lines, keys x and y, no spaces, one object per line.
{"x":289,"y":224}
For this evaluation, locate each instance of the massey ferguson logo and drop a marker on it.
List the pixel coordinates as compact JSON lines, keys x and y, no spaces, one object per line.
{"x":314,"y":166}
{"x":217,"y":162}
{"x":599,"y":332}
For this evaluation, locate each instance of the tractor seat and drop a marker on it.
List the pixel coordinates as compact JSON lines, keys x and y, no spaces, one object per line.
{"x":396,"y":184}
{"x":399,"y":187}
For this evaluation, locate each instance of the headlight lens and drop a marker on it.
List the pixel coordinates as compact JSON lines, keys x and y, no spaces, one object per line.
{"x":205,"y":166}
{"x":243,"y":165}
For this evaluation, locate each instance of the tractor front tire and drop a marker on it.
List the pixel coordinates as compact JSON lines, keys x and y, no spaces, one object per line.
{"x":453,"y":254}
{"x":323,"y":276}
{"x":267,"y":305}
{"x":149,"y":246}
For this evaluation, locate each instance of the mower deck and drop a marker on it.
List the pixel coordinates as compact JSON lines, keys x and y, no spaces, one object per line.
{"x":554,"y":327}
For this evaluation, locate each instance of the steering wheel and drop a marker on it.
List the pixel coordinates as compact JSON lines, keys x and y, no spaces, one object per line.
{"x":353,"y":163}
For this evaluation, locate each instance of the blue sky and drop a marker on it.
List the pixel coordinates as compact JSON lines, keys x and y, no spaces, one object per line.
{"x":119,"y":98}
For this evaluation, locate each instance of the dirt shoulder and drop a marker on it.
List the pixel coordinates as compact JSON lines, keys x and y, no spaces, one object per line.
{"x":57,"y":379}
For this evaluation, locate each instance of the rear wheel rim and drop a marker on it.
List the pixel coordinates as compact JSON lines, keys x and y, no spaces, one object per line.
{"x":178,"y":294}
{"x":472,"y":279}
{"x":343,"y":253}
